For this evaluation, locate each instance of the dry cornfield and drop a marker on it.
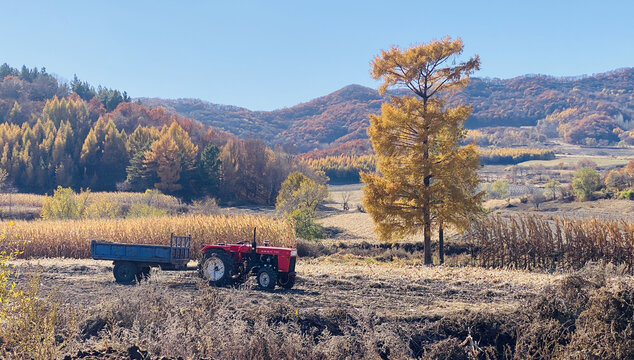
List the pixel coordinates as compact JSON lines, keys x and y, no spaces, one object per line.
{"x":71,"y":238}
{"x":530,"y":241}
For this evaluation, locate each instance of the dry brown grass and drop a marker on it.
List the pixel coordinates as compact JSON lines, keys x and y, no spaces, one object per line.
{"x":122,"y":199}
{"x":71,"y":238}
{"x":343,"y":308}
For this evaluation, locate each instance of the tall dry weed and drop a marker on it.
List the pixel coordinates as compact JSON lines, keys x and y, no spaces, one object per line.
{"x":534,"y":242}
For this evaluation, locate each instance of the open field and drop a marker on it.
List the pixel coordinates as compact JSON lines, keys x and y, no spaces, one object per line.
{"x":340,"y":308}
{"x":601,"y":161}
{"x":354,"y":298}
{"x":29,"y":206}
{"x":388,"y":301}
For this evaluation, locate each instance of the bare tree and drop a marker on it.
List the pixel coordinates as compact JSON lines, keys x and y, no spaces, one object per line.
{"x":345,"y":198}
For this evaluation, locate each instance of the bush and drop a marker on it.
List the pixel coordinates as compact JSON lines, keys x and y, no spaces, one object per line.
{"x":618,"y":179}
{"x":102,"y":208}
{"x":499,"y":189}
{"x":627,"y":194}
{"x":298,"y":192}
{"x":305,"y":225}
{"x":29,"y":320}
{"x":144,"y":210}
{"x":62,"y":205}
{"x":312,"y":249}
{"x":206,"y":206}
{"x":584,"y":182}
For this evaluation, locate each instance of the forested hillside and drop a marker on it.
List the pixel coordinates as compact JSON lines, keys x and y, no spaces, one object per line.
{"x":584,"y":110}
{"x":73,"y":135}
{"x":332,"y":119}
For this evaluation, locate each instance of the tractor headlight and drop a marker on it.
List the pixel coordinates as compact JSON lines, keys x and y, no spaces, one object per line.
{"x":294,"y":252}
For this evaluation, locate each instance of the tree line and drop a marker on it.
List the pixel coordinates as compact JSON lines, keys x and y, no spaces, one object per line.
{"x":72,"y":143}
{"x":344,"y":169}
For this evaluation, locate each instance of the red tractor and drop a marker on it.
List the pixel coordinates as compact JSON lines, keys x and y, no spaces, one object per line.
{"x":225,"y":264}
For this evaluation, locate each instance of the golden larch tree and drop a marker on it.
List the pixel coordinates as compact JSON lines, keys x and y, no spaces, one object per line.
{"x":424,"y":177}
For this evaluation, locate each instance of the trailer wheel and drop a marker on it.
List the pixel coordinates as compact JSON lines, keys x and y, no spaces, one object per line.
{"x":286,"y":280}
{"x":216,"y":267}
{"x":267,"y":278}
{"x":124,"y":272}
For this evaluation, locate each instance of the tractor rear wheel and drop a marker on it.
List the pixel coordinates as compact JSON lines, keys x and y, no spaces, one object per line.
{"x":286,"y":280}
{"x":217,"y":268}
{"x":124,"y":272}
{"x":267,"y":278}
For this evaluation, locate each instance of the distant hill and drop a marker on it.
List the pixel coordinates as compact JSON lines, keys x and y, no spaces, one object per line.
{"x":601,"y":103}
{"x":332,"y":119}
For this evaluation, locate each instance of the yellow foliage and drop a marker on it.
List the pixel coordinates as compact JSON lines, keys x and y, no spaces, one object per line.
{"x":424,"y":177}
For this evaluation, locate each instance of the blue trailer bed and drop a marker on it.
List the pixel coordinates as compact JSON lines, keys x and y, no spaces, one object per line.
{"x":132,"y":262}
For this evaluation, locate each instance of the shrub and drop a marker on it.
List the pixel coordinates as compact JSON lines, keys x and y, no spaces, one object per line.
{"x":144,"y":210}
{"x":618,"y":179}
{"x":627,"y":194}
{"x":62,"y":205}
{"x":206,"y":206}
{"x":101,"y":208}
{"x":500,"y":188}
{"x":29,"y":320}
{"x":297,"y":192}
{"x":312,"y":249}
{"x":305,"y":225}
{"x":584,"y":182}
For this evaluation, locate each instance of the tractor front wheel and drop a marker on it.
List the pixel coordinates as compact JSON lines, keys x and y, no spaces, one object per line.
{"x":267,"y":278}
{"x":286,"y":280}
{"x":217,"y":268}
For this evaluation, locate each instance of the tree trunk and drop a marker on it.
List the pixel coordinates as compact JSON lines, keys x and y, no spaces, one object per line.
{"x":427,"y":237}
{"x":426,"y":183}
{"x":441,"y":245}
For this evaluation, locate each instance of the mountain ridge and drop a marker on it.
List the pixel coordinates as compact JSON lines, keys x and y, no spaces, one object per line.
{"x":341,"y":116}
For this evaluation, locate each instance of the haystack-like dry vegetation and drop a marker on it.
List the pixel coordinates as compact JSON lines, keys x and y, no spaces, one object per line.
{"x":530,"y":241}
{"x":71,"y":238}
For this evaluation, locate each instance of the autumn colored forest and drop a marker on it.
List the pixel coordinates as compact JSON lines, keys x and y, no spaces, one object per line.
{"x":527,"y":110}
{"x":73,"y":135}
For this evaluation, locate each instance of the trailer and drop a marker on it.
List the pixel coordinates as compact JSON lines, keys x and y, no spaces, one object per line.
{"x":132,"y":262}
{"x":220,"y":264}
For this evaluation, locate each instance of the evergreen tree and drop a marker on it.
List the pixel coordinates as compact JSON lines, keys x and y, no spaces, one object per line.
{"x":15,"y":115}
{"x":209,"y":169}
{"x":83,"y":89}
{"x":171,"y":161}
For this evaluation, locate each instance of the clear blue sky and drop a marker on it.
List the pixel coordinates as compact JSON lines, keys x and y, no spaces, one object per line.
{"x":270,"y":54}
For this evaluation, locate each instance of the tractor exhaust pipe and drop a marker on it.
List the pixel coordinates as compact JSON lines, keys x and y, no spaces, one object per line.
{"x":254,"y":244}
